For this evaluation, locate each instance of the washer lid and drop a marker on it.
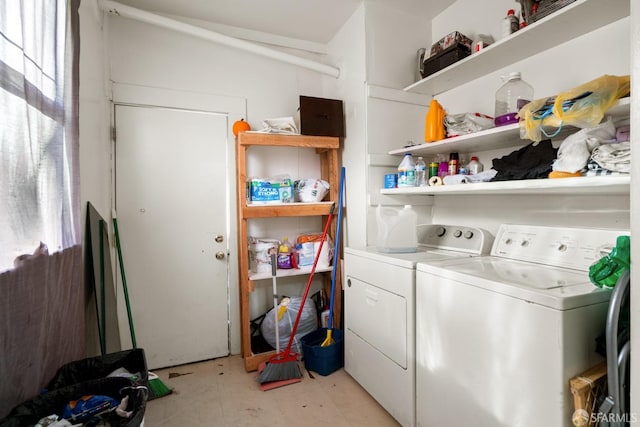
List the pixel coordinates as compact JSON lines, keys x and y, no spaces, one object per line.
{"x":554,"y":287}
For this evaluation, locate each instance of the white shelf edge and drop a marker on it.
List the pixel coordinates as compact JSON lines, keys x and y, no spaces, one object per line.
{"x":497,"y":137}
{"x":288,"y":273}
{"x":549,"y":32}
{"x":611,"y":184}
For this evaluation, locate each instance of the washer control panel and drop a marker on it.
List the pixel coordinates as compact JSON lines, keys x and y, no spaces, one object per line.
{"x":455,"y":238}
{"x":575,"y":248}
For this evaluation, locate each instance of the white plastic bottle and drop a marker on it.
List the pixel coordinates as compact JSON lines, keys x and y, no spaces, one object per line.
{"x":407,"y":172}
{"x":510,"y":23}
{"x":514,"y":94}
{"x":421,"y":172}
{"x":397,"y":229}
{"x":475,"y":166}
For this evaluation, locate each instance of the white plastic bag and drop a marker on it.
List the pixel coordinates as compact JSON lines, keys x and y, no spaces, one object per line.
{"x":289,"y":308}
{"x":310,"y":190}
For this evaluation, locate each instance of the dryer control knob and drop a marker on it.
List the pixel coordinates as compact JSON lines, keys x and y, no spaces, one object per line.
{"x":457,"y":233}
{"x":468,"y":234}
{"x":441,"y":231}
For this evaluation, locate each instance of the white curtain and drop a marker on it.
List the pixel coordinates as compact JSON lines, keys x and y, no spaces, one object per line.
{"x":41,"y":294}
{"x":38,"y":129}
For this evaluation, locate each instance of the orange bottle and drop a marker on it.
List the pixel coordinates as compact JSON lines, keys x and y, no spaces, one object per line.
{"x":434,"y":122}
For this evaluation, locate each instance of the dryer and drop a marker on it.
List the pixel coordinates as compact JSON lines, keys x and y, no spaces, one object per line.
{"x":380,"y":312}
{"x":498,"y":337}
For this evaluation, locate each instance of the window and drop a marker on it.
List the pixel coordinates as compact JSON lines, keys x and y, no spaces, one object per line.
{"x":38,"y":127}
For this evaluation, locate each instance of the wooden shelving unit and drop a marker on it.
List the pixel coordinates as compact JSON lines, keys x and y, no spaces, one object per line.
{"x":327,"y":150}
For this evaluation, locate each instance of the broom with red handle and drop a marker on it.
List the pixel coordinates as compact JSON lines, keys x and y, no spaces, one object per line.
{"x":284,"y":365}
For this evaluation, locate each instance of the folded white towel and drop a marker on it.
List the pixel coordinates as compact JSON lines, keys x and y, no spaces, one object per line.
{"x":485,"y":176}
{"x":615,"y":157}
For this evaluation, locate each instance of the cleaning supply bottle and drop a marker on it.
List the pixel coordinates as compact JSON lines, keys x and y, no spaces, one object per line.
{"x":421,"y":172}
{"x":434,"y":122}
{"x":407,"y":172}
{"x":510,"y":23}
{"x":475,"y":166}
{"x":514,"y":94}
{"x":285,"y":258}
{"x":397,"y":229}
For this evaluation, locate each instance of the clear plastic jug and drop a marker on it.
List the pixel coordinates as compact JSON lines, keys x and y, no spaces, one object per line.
{"x":397,"y":229}
{"x":514,"y":94}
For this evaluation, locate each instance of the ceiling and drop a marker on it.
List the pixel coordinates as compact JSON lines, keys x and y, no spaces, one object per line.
{"x":310,"y":20}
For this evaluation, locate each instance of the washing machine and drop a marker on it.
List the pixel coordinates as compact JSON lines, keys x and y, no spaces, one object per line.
{"x":380,"y":312}
{"x":498,"y":337}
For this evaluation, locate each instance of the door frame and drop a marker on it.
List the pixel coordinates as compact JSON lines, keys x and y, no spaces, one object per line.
{"x":235,"y":108}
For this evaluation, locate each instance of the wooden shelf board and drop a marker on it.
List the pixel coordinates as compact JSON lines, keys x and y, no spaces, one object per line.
{"x":286,"y":210}
{"x":279,"y":140}
{"x":289,"y":273}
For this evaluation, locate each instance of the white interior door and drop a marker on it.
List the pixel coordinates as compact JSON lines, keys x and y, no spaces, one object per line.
{"x":171,"y":205}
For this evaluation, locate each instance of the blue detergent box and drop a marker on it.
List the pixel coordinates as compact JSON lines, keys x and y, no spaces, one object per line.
{"x":391,"y":180}
{"x":263,"y":191}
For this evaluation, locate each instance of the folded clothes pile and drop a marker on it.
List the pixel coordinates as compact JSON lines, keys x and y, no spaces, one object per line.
{"x":530,"y":162}
{"x":615,"y":158}
{"x":600,"y":150}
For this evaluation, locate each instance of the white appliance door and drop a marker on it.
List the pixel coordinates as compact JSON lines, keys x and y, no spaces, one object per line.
{"x":380,"y":318}
{"x":487,"y":359}
{"x":172,"y":215}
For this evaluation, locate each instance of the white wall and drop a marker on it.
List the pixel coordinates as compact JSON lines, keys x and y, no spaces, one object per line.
{"x":347,"y":51}
{"x":562,"y":68}
{"x":551,"y":72}
{"x":393,"y":37}
{"x":95,"y":172}
{"x":146,"y":55}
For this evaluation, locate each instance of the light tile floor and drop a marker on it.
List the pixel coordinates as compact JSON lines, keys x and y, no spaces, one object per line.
{"x":221,"y":393}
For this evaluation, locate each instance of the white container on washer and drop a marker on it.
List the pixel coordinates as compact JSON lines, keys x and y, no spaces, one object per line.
{"x":397,"y":229}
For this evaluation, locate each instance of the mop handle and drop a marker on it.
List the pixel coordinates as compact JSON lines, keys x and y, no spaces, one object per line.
{"x":336,"y":250}
{"x":308,"y":286}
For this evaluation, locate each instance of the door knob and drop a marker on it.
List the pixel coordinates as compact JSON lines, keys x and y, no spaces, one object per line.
{"x":219,"y":238}
{"x":220,"y":255}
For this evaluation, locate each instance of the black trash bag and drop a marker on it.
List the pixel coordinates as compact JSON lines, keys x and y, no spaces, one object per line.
{"x":54,"y":402}
{"x":97,"y":367}
{"x":89,"y":377}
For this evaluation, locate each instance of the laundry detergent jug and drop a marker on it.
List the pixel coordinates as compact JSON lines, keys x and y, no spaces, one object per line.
{"x":397,"y":229}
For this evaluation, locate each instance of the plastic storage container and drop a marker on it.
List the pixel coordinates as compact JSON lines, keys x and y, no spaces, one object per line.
{"x":397,"y":229}
{"x":514,"y":94}
{"x":407,"y":172}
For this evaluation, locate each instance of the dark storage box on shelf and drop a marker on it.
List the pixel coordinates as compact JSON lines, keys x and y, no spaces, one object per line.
{"x":450,"y":55}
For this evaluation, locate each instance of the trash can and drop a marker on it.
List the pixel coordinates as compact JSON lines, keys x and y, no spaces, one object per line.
{"x":89,"y":377}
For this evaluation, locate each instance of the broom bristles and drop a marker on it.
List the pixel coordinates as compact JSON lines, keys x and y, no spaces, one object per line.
{"x":280,"y":371}
{"x":156,"y":387}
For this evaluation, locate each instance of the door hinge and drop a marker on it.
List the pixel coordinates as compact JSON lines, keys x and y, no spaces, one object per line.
{"x":113,"y":133}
